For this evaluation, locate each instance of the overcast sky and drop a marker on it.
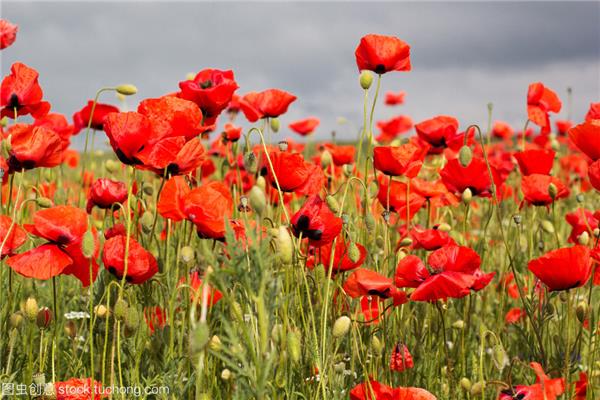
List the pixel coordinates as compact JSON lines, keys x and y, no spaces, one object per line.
{"x":464,"y":55}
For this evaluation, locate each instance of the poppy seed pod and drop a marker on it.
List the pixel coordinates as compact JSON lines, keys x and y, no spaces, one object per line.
{"x":293,"y":346}
{"x":31,"y":308}
{"x":467,"y":196}
{"x":581,"y":311}
{"x":43,"y":202}
{"x":274,"y":124}
{"x":341,"y":326}
{"x":126,"y":89}
{"x":44,"y":318}
{"x":366,"y":79}
{"x":465,"y":156}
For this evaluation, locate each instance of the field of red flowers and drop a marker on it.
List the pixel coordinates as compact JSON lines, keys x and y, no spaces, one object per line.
{"x":202,"y":260}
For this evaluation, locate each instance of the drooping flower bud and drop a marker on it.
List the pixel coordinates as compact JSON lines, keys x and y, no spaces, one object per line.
{"x":284,"y":245}
{"x":16,"y":319}
{"x":465,"y":156}
{"x":552,"y":191}
{"x":126,"y":89}
{"x":465,"y":384}
{"x":477,"y":388}
{"x":101,"y":311}
{"x":43,"y":202}
{"x":88,"y":244}
{"x":121,"y":307}
{"x":332,"y":203}
{"x":353,"y":252}
{"x":581,"y":311}
{"x":547,"y":226}
{"x":250,"y":162}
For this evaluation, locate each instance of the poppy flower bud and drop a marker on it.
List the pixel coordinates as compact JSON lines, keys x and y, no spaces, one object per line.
{"x":467,"y":196}
{"x":121,"y":307}
{"x":276,"y":333}
{"x":43,"y":202}
{"x":215,"y":343}
{"x":326,"y":159}
{"x":44,"y":318}
{"x":499,"y":357}
{"x":226,"y":374}
{"x":554,"y":144}
{"x":406,"y":242}
{"x":552,"y":191}
{"x":465,"y":156}
{"x":332,"y":203}
{"x":459,"y":324}
{"x":376,"y":345}
{"x":284,"y":245}
{"x":293,"y":346}
{"x":111,"y":166}
{"x":101,"y":311}
{"x":596,"y":232}
{"x":126,"y":89}
{"x":199,"y":338}
{"x":347,"y":169}
{"x":379,"y":241}
{"x":187,"y":254}
{"x":581,"y":311}
{"x":353,"y":252}
{"x":147,"y":220}
{"x":465,"y":384}
{"x":250,"y":162}
{"x":580,"y":198}
{"x":547,"y":226}
{"x":258,"y":199}
{"x":369,"y":222}
{"x":132,"y":318}
{"x":31,"y":308}
{"x":341,"y":326}
{"x":16,"y":319}
{"x":70,"y":329}
{"x":477,"y":388}
{"x":275,"y":125}
{"x":366,"y":79}
{"x":88,"y":244}
{"x":190,"y":76}
{"x":444,"y":227}
{"x":584,"y":238}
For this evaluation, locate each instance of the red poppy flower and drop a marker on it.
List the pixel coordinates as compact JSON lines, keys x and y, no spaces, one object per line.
{"x":593,"y":112}
{"x":514,"y":315}
{"x":104,"y":193}
{"x":586,"y":137}
{"x":128,"y":133}
{"x":563,"y":126}
{"x":341,"y":155}
{"x":33,"y":147}
{"x":12,"y":236}
{"x":59,"y":124}
{"x":378,"y":391}
{"x":81,"y":118}
{"x":404,"y":160}
{"x":173,"y":156}
{"x":316,"y":222}
{"x":429,"y":239}
{"x":314,"y":183}
{"x":171,"y":116}
{"x":594,"y":174}
{"x":63,"y":227}
{"x":141,"y":264}
{"x":209,"y":207}
{"x":401,"y":359}
{"x":232,"y":133}
{"x":581,"y":220}
{"x":541,"y":101}
{"x":21,"y":91}
{"x":381,"y":54}
{"x":535,"y":189}
{"x":394,"y":99}
{"x":581,"y":387}
{"x":172,"y":199}
{"x":544,"y":388}
{"x":240,"y":179}
{"x":305,"y":126}
{"x":116,"y":230}
{"x":195,"y":281}
{"x":211,"y":90}
{"x":437,"y":131}
{"x":535,"y":161}
{"x":341,"y":258}
{"x":474,"y":176}
{"x":364,"y":282}
{"x":502,"y":130}
{"x":290,"y":169}
{"x":398,"y":196}
{"x":270,"y":103}
{"x":8,"y":33}
{"x":78,"y":389}
{"x":155,"y":317}
{"x":392,"y":128}
{"x":563,"y":269}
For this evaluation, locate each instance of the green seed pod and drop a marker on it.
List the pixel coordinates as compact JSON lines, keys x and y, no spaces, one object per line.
{"x":121,"y":307}
{"x":477,"y":388}
{"x":584,"y":238}
{"x":467,"y":196}
{"x":555,"y":144}
{"x":326,"y":159}
{"x":294,"y":346}
{"x":552,"y":191}
{"x":132,"y":319}
{"x":274,"y":124}
{"x":88,"y":244}
{"x":581,"y":311}
{"x":187,"y":254}
{"x":465,"y":156}
{"x":341,"y":326}
{"x":353,"y":252}
{"x":111,"y":166}
{"x":43,"y":202}
{"x":547,"y":226}
{"x":31,"y":308}
{"x":126,"y":89}
{"x":16,"y":319}
{"x":332,"y":203}
{"x":366,"y":79}
{"x":465,"y":384}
